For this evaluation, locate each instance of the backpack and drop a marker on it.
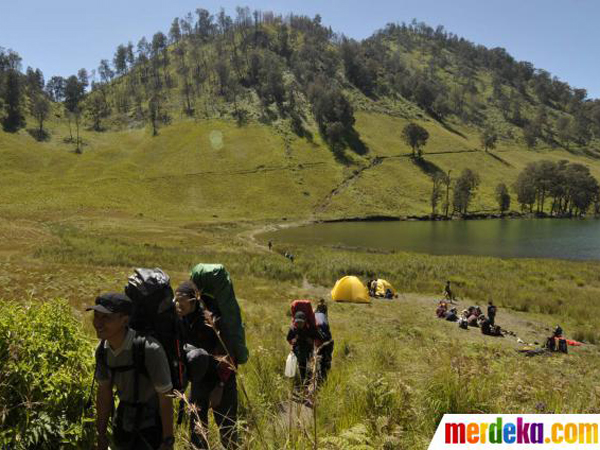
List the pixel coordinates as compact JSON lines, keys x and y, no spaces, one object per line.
{"x":306,"y":307}
{"x":551,"y":344}
{"x":214,"y":281}
{"x":154,"y":315}
{"x":562,"y":346}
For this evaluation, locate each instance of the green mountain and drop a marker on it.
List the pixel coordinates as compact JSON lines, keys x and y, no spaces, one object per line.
{"x":263,"y":116}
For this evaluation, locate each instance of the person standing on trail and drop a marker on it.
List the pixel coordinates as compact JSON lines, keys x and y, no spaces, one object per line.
{"x":214,"y":343}
{"x":270,"y":245}
{"x":139,"y":369}
{"x":447,"y":292}
{"x":491,"y":310}
{"x":302,"y":338}
{"x":325,"y":350}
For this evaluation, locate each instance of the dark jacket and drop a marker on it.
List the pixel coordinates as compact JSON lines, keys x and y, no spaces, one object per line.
{"x":197,"y":332}
{"x":302,"y":340}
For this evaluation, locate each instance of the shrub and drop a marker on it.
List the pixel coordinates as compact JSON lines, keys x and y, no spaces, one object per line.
{"x":46,"y":364}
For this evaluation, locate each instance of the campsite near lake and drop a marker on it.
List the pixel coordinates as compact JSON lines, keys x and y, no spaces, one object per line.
{"x":274,"y":145}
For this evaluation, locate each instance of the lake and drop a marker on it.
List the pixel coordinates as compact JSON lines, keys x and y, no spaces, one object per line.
{"x":507,"y":238}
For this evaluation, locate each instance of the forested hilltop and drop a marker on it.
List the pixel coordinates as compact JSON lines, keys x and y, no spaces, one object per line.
{"x":305,"y":82}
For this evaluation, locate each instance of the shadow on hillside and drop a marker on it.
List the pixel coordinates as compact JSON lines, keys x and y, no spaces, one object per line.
{"x":447,"y":126}
{"x":499,"y":159}
{"x":355,"y":143}
{"x":39,"y":135}
{"x":427,"y":167}
{"x":591,"y":153}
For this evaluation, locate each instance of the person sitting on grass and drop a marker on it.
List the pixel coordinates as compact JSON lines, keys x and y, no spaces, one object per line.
{"x":463,"y":321}
{"x":441,"y":310}
{"x":144,"y":417}
{"x":491,"y":310}
{"x":452,"y":315}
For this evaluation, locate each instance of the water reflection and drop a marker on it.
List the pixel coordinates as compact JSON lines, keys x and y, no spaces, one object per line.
{"x":547,"y":238}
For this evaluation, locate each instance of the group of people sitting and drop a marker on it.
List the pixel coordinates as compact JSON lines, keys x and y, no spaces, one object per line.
{"x":380,"y":291}
{"x":310,"y":337}
{"x":471,"y":317}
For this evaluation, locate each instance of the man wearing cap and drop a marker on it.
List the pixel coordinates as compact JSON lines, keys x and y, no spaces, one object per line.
{"x":138,"y":367}
{"x":302,"y":338}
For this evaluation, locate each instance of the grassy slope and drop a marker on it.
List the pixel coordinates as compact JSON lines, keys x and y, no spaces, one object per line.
{"x":198,"y":170}
{"x":74,"y":225}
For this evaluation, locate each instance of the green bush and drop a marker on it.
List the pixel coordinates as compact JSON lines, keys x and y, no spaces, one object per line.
{"x":46,"y":365}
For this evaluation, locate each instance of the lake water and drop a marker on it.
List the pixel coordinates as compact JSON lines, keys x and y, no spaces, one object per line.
{"x":509,"y":238}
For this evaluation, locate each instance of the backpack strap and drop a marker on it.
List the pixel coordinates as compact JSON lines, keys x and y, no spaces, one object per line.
{"x":139,"y":365}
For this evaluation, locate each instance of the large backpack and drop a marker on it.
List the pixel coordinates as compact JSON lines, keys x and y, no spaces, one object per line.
{"x":154,"y":315}
{"x":306,"y":307}
{"x":562,"y":345}
{"x":551,"y":344}
{"x":214,"y":281}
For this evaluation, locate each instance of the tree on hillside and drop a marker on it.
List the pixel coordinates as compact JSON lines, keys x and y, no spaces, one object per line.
{"x":488,"y":138}
{"x":175,"y":32}
{"x":34,"y":80}
{"x":525,"y":189}
{"x":56,"y":88}
{"x":563,"y":129}
{"x":74,"y":92}
{"x":570,"y":185}
{"x":105,"y":72}
{"x":415,"y":136}
{"x":530,"y":135}
{"x":83,"y":78}
{"x":130,"y":55}
{"x":333,"y":113}
{"x":96,"y":109}
{"x":464,"y":188}
{"x":502,"y":197}
{"x":14,"y":118}
{"x":39,"y":107}
{"x":120,"y":59}
{"x":439,"y":180}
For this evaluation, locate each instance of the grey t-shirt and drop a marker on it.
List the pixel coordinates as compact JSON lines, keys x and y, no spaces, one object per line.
{"x":158,"y":379}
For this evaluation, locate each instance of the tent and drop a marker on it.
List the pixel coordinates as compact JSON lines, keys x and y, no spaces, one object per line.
{"x":350,"y":289}
{"x":382,"y":287}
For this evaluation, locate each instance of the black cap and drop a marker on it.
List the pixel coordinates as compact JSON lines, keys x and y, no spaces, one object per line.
{"x":112,"y":303}
{"x":299,"y":317}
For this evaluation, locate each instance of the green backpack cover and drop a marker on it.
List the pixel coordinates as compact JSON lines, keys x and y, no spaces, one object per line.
{"x":214,"y":281}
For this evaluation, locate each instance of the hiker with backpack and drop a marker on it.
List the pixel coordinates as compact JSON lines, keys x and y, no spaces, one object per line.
{"x":325,"y":350}
{"x":138,"y":367}
{"x":302,"y":336}
{"x":215,"y":344}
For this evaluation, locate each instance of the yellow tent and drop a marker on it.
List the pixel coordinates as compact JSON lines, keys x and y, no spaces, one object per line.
{"x":350,"y":289}
{"x":382,"y":287}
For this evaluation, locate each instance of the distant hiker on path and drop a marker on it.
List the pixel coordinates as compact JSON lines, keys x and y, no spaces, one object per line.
{"x":491,"y":310}
{"x":270,"y":245}
{"x":447,"y":292}
{"x":139,"y":369}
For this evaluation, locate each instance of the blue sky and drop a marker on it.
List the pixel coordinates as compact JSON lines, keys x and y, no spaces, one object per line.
{"x":561,"y":36}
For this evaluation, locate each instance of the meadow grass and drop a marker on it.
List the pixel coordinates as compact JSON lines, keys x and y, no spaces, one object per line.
{"x":73,"y":226}
{"x":396,"y":369}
